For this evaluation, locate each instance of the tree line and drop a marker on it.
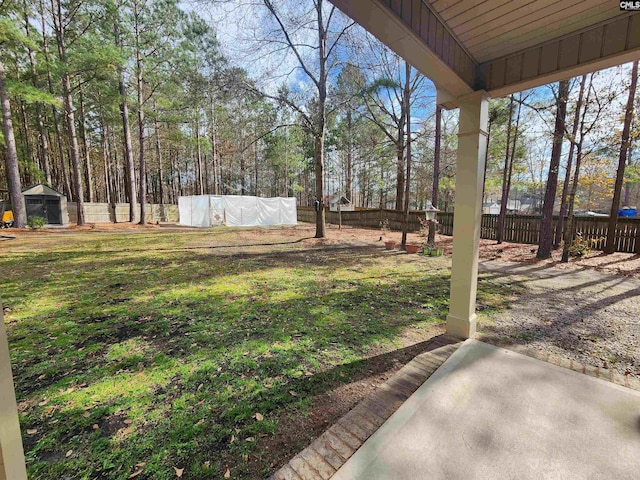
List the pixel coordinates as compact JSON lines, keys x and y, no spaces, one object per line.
{"x":135,"y":101}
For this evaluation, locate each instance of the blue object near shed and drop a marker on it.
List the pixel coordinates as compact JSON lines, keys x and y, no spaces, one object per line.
{"x":628,"y":212}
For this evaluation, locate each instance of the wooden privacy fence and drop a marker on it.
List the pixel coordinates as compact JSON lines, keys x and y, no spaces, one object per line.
{"x":526,"y":229}
{"x":369,"y":218}
{"x":517,"y":229}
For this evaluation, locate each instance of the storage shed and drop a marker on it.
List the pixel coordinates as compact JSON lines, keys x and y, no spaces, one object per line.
{"x":42,"y":201}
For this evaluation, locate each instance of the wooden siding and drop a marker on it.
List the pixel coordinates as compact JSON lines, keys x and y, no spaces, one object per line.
{"x":492,"y":28}
{"x":600,"y":42}
{"x":420,"y":18}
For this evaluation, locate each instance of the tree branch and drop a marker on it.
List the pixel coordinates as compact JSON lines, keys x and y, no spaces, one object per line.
{"x":271,"y":9}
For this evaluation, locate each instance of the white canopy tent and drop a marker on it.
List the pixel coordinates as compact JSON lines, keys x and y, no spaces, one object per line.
{"x":236,"y":211}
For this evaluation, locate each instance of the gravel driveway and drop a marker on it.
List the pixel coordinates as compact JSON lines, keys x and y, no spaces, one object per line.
{"x":581,"y":314}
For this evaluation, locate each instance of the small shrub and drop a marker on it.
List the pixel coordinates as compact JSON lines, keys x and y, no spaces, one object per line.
{"x":35,"y":222}
{"x":579,"y":247}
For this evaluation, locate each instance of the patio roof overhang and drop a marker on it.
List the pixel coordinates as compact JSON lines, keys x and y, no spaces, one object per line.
{"x":471,"y":50}
{"x":476,"y":49}
{"x":500,"y":46}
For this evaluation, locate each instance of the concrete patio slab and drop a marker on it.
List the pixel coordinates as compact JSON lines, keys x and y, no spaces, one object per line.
{"x":491,"y":413}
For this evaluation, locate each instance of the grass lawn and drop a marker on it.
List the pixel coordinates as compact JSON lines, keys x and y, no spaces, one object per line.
{"x":139,"y":353}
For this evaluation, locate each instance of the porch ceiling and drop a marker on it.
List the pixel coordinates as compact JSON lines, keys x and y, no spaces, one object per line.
{"x":501,"y":46}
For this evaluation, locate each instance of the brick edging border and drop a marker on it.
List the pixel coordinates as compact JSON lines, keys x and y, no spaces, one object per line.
{"x":327,"y":453}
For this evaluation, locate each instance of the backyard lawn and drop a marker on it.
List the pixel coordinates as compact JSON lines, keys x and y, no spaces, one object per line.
{"x":159,"y":353}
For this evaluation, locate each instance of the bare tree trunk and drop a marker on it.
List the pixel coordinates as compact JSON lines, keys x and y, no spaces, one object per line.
{"x":85,"y":150}
{"x":486,"y":157}
{"x":349,"y":180}
{"x":159,"y":159}
{"x":546,"y":222}
{"x":504,"y":199}
{"x":571,"y":201}
{"x":141,"y":156}
{"x":130,"y":173}
{"x":243,"y":167}
{"x":119,"y":176}
{"x":567,"y":178}
{"x":43,"y":150}
{"x":513,"y":155}
{"x":214,"y":150}
{"x":11,"y":157}
{"x":44,"y":145}
{"x":45,"y":50}
{"x":622,"y":162}
{"x":400,"y":168}
{"x":436,"y":173}
{"x":569,"y":228}
{"x":320,"y":130}
{"x":73,"y":141}
{"x":28,"y":151}
{"x":255,"y":167}
{"x":105,"y":161}
{"x":199,"y":156}
{"x":58,"y":22}
{"x":139,"y":86}
{"x":407,"y":111}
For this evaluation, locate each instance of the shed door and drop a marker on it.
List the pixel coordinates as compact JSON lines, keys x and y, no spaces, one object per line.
{"x":54,"y":216}
{"x":35,"y":206}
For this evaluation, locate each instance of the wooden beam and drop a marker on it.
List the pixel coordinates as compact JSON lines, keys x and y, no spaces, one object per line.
{"x":12,"y":466}
{"x":607,"y":44}
{"x":415,"y":32}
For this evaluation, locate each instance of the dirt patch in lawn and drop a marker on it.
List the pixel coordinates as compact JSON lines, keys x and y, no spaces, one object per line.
{"x":627,"y":264}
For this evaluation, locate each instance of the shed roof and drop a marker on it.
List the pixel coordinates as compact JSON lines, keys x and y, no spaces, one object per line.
{"x":41,"y":189}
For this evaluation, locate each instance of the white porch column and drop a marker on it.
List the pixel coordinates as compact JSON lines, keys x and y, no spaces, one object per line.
{"x":12,"y":466}
{"x":472,"y":145}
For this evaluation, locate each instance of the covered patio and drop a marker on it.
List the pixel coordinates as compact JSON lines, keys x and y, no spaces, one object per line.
{"x":488,"y":412}
{"x":491,"y":413}
{"x":480,"y":49}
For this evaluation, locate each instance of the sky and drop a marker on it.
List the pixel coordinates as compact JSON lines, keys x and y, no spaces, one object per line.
{"x":242,"y":26}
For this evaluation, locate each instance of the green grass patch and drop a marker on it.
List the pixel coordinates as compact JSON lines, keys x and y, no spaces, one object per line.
{"x":151,"y":351}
